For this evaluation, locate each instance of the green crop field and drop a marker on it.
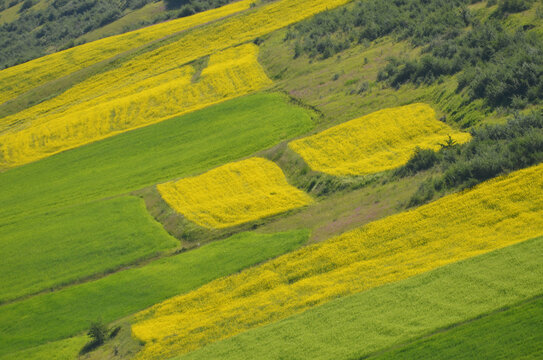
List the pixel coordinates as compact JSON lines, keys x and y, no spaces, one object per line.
{"x":69,"y":311}
{"x":65,"y":349}
{"x":171,"y":149}
{"x":361,"y":324}
{"x":89,"y":240}
{"x":63,"y":246}
{"x":512,"y":333}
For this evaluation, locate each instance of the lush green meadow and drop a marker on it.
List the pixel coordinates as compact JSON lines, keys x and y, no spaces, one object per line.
{"x":361,"y":324}
{"x":67,"y":312}
{"x":63,"y":246}
{"x":512,"y":333}
{"x":171,"y":149}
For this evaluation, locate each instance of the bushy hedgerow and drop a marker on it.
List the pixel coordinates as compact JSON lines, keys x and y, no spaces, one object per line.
{"x":493,"y":151}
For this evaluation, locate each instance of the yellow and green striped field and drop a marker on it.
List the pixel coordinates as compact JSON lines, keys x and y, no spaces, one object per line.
{"x":175,"y":184}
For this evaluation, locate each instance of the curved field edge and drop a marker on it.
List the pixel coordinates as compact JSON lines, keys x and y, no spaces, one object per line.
{"x":60,"y":247}
{"x":493,"y":215}
{"x":68,"y":312}
{"x":360,"y":324}
{"x":512,"y":332}
{"x":234,"y":194}
{"x":178,"y":147}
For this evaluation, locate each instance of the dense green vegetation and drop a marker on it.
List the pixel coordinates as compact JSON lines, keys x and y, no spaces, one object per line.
{"x":501,"y":67}
{"x":58,"y":24}
{"x":419,"y":21}
{"x":361,"y":324}
{"x":515,"y":333}
{"x":60,"y":247}
{"x":493,"y":151}
{"x":69,"y":311}
{"x":171,"y":149}
{"x":504,"y":67}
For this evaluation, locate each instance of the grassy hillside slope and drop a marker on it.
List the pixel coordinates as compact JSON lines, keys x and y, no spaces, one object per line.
{"x":63,"y":246}
{"x":358,"y":325}
{"x":514,"y":332}
{"x":68,"y":312}
{"x":493,"y":215}
{"x":81,"y":247}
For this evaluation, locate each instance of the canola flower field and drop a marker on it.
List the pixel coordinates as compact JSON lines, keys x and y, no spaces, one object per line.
{"x":192,"y":45}
{"x":52,"y":126}
{"x":376,"y":142}
{"x":39,"y":71}
{"x":231,"y":73}
{"x":233,"y":194}
{"x":446,"y":307}
{"x":493,"y":215}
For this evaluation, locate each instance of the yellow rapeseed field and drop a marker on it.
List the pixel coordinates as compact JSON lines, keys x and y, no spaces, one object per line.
{"x":143,"y":72}
{"x":21,"y":78}
{"x":493,"y":215}
{"x":376,"y":142}
{"x":194,"y":44}
{"x":231,"y":73}
{"x":233,"y":194}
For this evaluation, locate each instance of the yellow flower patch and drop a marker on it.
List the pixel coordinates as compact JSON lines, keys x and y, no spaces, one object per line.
{"x":376,"y":142}
{"x":233,"y":194}
{"x":493,"y":215}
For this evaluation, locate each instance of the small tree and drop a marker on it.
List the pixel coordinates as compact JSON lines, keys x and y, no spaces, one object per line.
{"x":98,"y":333}
{"x":449,"y":143}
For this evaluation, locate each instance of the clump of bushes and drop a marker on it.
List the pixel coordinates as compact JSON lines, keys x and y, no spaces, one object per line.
{"x":419,"y":21}
{"x":493,"y":151}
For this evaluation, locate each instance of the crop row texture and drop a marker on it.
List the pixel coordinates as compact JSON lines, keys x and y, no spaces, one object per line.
{"x":143,"y":71}
{"x":39,"y":71}
{"x":376,"y":142}
{"x":233,"y":194}
{"x":495,"y":214}
{"x":231,"y":73}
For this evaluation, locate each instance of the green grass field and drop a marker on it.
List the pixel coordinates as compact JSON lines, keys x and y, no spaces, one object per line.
{"x":364,"y":323}
{"x":66,"y":349}
{"x":68,"y":312}
{"x":171,"y":149}
{"x":64,"y":246}
{"x":512,"y":333}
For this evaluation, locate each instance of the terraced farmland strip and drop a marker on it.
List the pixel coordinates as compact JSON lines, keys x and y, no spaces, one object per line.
{"x":376,"y":142}
{"x":61,"y":247}
{"x":493,"y":215}
{"x":232,"y":73}
{"x":68,"y":312}
{"x":39,"y":71}
{"x":174,"y":148}
{"x":356,"y":326}
{"x":193,"y":45}
{"x":234,"y":194}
